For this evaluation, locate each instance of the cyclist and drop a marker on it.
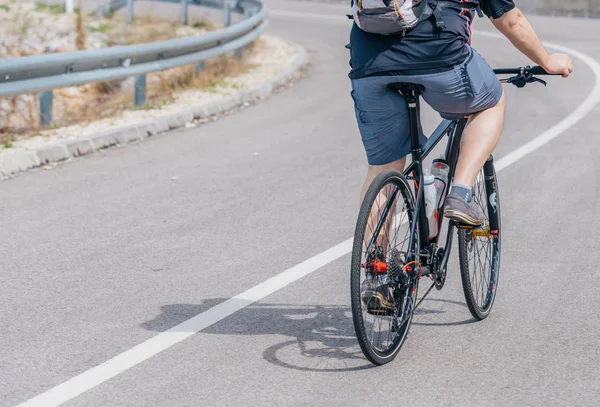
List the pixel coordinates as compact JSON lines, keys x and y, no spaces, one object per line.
{"x":457,"y":81}
{"x":436,"y":53}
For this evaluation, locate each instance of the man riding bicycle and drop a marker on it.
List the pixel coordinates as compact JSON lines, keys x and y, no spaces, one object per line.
{"x":427,"y":42}
{"x":457,"y":80}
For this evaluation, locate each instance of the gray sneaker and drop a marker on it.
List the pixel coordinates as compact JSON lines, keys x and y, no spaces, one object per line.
{"x":376,"y":292}
{"x":377,"y":295}
{"x":461,"y":211}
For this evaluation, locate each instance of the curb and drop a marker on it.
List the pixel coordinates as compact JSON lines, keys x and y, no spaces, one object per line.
{"x":20,"y":161}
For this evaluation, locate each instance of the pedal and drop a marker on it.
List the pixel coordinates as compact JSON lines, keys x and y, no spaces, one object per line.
{"x":480,"y":232}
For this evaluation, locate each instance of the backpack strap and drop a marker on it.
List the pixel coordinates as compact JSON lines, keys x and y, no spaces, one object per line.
{"x":424,"y":9}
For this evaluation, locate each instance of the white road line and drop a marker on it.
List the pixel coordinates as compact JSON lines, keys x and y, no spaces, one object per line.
{"x":592,"y":101}
{"x":136,"y":355}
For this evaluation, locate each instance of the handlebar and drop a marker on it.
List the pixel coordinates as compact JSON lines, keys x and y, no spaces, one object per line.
{"x":523,"y":75}
{"x":534,"y":70}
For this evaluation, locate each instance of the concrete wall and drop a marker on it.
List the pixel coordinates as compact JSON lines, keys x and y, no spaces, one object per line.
{"x":580,"y":7}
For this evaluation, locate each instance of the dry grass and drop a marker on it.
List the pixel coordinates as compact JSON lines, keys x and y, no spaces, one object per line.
{"x":148,"y":29}
{"x":184,"y":78}
{"x":100,"y":100}
{"x":19,"y":115}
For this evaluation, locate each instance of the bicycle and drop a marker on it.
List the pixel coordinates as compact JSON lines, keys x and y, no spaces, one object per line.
{"x":380,"y":331}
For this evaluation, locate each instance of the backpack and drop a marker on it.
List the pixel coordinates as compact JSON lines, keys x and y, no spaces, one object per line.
{"x":399,"y":16}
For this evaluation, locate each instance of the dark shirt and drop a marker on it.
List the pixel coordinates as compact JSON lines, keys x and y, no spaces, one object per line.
{"x":424,"y":49}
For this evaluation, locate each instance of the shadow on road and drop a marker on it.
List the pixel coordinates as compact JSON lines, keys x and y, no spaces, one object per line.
{"x":433,"y":312}
{"x":321,"y":338}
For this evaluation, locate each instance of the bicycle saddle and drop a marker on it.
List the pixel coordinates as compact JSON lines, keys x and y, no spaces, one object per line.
{"x":405,"y":87}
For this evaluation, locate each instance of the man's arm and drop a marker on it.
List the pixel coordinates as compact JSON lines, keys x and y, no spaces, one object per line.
{"x":517,"y":29}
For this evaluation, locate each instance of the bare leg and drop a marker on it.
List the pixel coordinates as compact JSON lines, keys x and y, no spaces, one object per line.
{"x":481,"y":136}
{"x":375,"y":170}
{"x":379,"y":204}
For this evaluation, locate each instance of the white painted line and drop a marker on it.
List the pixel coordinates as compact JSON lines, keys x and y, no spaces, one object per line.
{"x":586,"y":107}
{"x":145,"y":350}
{"x":136,"y":355}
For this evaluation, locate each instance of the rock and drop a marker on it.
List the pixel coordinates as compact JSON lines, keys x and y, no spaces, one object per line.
{"x":58,"y":44}
{"x":72,"y":92}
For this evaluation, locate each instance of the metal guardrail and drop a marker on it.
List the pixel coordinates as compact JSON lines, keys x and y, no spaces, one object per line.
{"x":42,"y":73}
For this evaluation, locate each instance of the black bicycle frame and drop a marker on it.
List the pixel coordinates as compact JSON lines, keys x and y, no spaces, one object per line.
{"x":454,"y":130}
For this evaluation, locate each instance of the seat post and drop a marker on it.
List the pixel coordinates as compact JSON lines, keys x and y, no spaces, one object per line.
{"x":412,"y":92}
{"x":412,"y":98}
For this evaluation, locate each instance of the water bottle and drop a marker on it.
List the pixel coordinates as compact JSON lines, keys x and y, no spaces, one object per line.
{"x":440,"y":170}
{"x":430,"y":203}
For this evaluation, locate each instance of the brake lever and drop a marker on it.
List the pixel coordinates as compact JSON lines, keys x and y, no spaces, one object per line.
{"x":519,"y":81}
{"x":536,"y":79}
{"x":523,"y":79}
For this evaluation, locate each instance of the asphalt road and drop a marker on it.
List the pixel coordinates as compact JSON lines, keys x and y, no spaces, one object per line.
{"x":103,"y":253}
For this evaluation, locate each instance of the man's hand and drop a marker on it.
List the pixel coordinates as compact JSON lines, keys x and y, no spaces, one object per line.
{"x":558,"y":64}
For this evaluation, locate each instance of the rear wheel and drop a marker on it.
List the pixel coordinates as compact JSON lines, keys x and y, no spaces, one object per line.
{"x":479,"y":248}
{"x":383,"y":286}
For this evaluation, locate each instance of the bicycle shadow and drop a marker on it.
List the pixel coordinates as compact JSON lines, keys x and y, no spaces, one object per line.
{"x":432,"y":312}
{"x":321,"y":337}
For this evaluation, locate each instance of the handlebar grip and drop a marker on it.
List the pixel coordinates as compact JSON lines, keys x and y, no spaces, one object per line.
{"x":505,"y":71}
{"x":538,"y":70}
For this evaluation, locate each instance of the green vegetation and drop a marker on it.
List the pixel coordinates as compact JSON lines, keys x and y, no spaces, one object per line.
{"x":8,"y":140}
{"x":102,"y":28}
{"x":145,"y":106}
{"x":5,"y":7}
{"x":213,"y":83}
{"x":203,"y":24}
{"x":52,"y":8}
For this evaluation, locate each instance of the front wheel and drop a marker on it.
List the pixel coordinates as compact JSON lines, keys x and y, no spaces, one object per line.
{"x":479,"y":248}
{"x":383,"y":285}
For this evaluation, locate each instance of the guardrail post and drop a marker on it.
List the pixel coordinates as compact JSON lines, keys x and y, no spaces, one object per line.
{"x":104,"y":9}
{"x":45,"y":108}
{"x":129,"y":11}
{"x":69,"y":6}
{"x":184,"y":12}
{"x":140,"y":90}
{"x":247,"y":14}
{"x":200,"y":67}
{"x":226,"y":13}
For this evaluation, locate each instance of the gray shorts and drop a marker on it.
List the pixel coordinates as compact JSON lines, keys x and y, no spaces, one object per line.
{"x":382,"y":114}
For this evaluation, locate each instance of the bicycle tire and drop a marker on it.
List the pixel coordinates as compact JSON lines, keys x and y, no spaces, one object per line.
{"x":480,"y":286}
{"x":404,"y":296}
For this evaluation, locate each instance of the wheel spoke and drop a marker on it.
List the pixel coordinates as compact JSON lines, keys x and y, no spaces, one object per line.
{"x":379,"y":326}
{"x":478,"y":257}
